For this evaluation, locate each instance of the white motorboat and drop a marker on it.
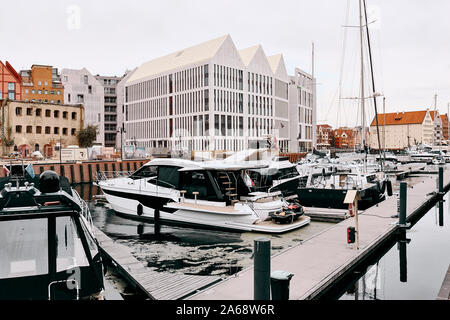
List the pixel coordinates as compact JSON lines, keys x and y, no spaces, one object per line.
{"x":210,"y":194}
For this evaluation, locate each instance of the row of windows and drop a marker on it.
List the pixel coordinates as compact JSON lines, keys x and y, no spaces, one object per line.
{"x":261,"y":106}
{"x":258,"y":126}
{"x":110,"y":118}
{"x":110,"y":100}
{"x":110,"y":90}
{"x":48,"y":113}
{"x":147,"y":109}
{"x":195,"y":125}
{"x":147,"y":129}
{"x":228,"y":125}
{"x":147,"y":89}
{"x":259,"y":83}
{"x":305,"y":115}
{"x":48,"y":130}
{"x":45,"y":100}
{"x":43,"y":92}
{"x":111,"y":109}
{"x":228,"y":77}
{"x":191,"y":102}
{"x":305,"y":98}
{"x":110,"y":127}
{"x":194,"y":78}
{"x":227,"y":101}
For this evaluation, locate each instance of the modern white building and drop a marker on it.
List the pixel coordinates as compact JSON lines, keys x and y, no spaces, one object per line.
{"x":302,"y":111}
{"x":120,"y":89}
{"x":81,"y":87}
{"x":210,"y":97}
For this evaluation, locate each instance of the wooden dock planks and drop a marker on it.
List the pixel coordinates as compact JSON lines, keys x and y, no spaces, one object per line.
{"x":157,"y":285}
{"x":444,"y":293}
{"x":319,"y":261}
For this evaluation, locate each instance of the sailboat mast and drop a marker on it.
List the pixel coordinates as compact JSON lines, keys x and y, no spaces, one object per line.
{"x":363,"y":113}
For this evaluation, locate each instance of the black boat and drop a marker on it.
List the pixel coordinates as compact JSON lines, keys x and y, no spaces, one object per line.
{"x":48,"y":249}
{"x":330,"y":191}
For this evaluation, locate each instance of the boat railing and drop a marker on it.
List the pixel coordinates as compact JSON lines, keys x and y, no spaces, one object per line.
{"x":106,"y":175}
{"x":85,"y":212}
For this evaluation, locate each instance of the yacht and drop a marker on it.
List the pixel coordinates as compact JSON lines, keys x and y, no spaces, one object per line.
{"x":48,"y":250}
{"x":329,"y":191}
{"x":210,"y":194}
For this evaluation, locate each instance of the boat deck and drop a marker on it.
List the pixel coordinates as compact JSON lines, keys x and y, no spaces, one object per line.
{"x":157,"y":285}
{"x":323,"y":259}
{"x":202,"y":207}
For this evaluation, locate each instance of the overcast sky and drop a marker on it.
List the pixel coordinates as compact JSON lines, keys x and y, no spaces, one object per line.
{"x":410,"y":41}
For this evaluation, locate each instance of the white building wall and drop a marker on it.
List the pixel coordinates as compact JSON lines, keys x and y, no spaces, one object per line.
{"x":80,"y":86}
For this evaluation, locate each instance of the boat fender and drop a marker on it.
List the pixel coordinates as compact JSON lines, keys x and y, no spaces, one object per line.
{"x":140,"y":209}
{"x":389,"y":188}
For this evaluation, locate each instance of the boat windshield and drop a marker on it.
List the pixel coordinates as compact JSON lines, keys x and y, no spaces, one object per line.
{"x":24,"y":248}
{"x":145,"y":172}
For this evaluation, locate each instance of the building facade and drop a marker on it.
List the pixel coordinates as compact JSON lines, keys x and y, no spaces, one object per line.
{"x":209,"y":97}
{"x":121,"y":132}
{"x":10,"y":82}
{"x":324,"y":136}
{"x":33,"y":126}
{"x":111,"y":108}
{"x":42,"y":84}
{"x":344,"y":138}
{"x":403,"y":129}
{"x":81,"y":87}
{"x":302,"y":111}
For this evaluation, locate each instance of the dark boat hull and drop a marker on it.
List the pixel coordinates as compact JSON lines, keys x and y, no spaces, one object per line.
{"x":334,"y":198}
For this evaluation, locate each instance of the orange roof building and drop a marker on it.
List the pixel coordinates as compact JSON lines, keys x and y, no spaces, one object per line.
{"x":10,"y":82}
{"x":399,"y":130}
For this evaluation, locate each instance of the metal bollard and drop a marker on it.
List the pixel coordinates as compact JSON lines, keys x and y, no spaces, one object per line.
{"x":279,"y":283}
{"x":402,"y":214}
{"x":261,"y":273}
{"x":402,"y":256}
{"x":157,"y":222}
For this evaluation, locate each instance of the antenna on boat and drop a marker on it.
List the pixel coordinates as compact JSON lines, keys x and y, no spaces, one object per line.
{"x":363,"y":112}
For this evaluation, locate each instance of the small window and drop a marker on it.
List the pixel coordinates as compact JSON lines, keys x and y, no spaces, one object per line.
{"x":56,"y":113}
{"x":45,"y":92}
{"x":38,"y":129}
{"x":39,"y":83}
{"x":59,"y":92}
{"x":65,"y":114}
{"x":56,"y":130}
{"x":26,"y":90}
{"x":29,"y":112}
{"x":52,"y":92}
{"x":73,"y":131}
{"x":38,"y":112}
{"x":85,"y":79}
{"x":18,"y":111}
{"x":33,"y":91}
{"x":18,"y":129}
{"x":74,"y":116}
{"x":89,"y":89}
{"x":64,"y":131}
{"x":68,"y":97}
{"x":47,"y":130}
{"x":39,"y":92}
{"x":80,"y":98}
{"x":29,"y":129}
{"x":48,"y":113}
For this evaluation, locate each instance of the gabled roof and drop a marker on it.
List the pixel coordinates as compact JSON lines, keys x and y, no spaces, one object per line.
{"x":13,"y":71}
{"x":398,"y":118}
{"x":274,"y":61}
{"x":278,"y":66}
{"x":197,"y":53}
{"x":248,"y":54}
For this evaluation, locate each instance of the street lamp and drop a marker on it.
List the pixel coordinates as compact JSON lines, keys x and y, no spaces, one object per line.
{"x":121,"y":131}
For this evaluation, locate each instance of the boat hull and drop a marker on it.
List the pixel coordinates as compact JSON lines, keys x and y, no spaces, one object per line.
{"x":126,"y":205}
{"x":334,"y":198}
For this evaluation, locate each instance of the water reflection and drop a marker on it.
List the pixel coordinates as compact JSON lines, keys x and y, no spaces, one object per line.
{"x":416,"y":271}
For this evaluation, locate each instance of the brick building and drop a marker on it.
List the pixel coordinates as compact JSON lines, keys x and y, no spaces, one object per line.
{"x":42,"y":84}
{"x":10,"y":82}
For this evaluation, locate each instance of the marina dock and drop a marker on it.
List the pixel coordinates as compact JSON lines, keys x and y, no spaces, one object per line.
{"x":156,"y":285}
{"x":325,"y":258}
{"x":444,"y":293}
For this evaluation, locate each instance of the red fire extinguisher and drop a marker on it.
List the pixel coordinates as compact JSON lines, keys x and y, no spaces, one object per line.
{"x":350,"y":210}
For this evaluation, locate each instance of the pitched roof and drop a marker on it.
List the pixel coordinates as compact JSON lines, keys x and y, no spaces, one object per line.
{"x":248,"y":54}
{"x":179,"y":58}
{"x":397,"y":118}
{"x":274,"y":61}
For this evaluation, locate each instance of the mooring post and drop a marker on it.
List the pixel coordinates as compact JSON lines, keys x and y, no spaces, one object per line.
{"x":441,"y":193}
{"x":402,"y":215}
{"x":261,"y":273}
{"x":157,"y":222}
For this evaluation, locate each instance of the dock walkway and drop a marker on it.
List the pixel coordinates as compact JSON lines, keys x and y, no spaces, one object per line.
{"x":324,"y":258}
{"x":157,"y":285}
{"x":444,"y":293}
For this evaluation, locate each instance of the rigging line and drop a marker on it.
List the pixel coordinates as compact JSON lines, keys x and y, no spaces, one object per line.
{"x":373,"y":85}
